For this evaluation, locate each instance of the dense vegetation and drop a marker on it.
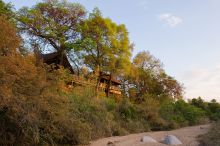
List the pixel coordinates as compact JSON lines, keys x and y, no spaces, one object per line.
{"x":38,"y":108}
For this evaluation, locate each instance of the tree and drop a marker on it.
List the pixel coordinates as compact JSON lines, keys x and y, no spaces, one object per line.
{"x":199,"y":102}
{"x":148,"y":78}
{"x":170,"y":87}
{"x":148,"y":62}
{"x":5,"y":9}
{"x":142,"y":79}
{"x":106,"y":45}
{"x":53,"y":24}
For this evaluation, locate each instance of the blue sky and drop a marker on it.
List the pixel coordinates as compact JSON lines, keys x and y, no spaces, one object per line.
{"x":183,"y":34}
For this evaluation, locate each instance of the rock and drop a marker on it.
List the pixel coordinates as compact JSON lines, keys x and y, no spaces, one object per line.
{"x":110,"y":143}
{"x":172,"y":140}
{"x":148,"y":139}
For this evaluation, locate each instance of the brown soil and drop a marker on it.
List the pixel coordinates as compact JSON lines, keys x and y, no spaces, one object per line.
{"x":188,"y":136}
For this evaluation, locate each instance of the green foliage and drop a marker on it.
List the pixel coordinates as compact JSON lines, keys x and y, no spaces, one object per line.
{"x":106,"y":117}
{"x":180,"y":114}
{"x":6,"y":9}
{"x":91,"y":111}
{"x":54,"y":24}
{"x":127,"y":110}
{"x":104,"y":45}
{"x":212,"y":109}
{"x":148,"y":77}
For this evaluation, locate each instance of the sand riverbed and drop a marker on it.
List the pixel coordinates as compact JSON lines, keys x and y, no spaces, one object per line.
{"x":188,"y":136}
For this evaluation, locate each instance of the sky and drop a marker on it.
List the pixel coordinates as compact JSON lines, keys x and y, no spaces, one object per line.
{"x":183,"y":34}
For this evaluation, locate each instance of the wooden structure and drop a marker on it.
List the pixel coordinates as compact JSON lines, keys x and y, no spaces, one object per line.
{"x":55,"y":59}
{"x":114,"y":85}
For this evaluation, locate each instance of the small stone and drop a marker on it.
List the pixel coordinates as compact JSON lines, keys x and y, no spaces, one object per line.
{"x":110,"y":143}
{"x":148,"y":139}
{"x":172,"y":140}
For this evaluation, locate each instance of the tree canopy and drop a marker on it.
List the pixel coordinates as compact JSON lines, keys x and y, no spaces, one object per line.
{"x":105,"y":44}
{"x":53,"y":24}
{"x":97,"y":43}
{"x":148,"y":78}
{"x":5,"y":9}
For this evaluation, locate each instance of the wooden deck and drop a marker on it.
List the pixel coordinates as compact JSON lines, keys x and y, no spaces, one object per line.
{"x":83,"y":82}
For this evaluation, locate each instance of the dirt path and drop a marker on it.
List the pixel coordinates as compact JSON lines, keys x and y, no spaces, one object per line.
{"x":188,"y":136}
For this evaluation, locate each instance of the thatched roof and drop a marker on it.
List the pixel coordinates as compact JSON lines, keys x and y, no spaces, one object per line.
{"x":54,"y":58}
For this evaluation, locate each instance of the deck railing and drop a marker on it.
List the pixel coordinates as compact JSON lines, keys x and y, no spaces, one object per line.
{"x":83,"y":82}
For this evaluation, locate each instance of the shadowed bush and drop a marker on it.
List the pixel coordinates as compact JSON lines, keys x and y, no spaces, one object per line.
{"x":33,"y":109}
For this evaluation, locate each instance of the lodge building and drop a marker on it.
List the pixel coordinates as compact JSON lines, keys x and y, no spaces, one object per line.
{"x":54,"y":58}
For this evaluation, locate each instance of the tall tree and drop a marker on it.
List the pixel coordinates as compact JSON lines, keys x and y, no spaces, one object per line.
{"x":106,"y":45}
{"x":53,"y":24}
{"x":148,"y":78}
{"x":148,"y":62}
{"x":5,"y":9}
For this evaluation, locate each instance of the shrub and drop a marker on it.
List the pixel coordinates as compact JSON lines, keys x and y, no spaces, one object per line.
{"x":180,"y":113}
{"x":127,"y":111}
{"x":33,"y":110}
{"x":149,"y":112}
{"x":191,"y":114}
{"x":92,"y":111}
{"x":214,"y":110}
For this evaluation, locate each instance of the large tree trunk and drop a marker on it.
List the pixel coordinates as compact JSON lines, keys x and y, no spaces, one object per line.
{"x":61,"y":53}
{"x":98,"y":77}
{"x":37,"y":54}
{"x":109,"y":85}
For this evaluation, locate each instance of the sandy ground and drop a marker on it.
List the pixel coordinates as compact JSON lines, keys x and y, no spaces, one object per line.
{"x":188,"y":136}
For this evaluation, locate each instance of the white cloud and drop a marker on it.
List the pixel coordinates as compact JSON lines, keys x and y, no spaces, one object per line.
{"x":202,"y":82}
{"x":170,"y":19}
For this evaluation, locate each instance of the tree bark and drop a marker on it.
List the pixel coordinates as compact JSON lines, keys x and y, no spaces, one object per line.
{"x":61,"y":53}
{"x":98,"y":76}
{"x":109,"y":85}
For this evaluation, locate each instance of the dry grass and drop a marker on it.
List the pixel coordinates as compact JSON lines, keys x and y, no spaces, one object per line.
{"x":212,"y":138}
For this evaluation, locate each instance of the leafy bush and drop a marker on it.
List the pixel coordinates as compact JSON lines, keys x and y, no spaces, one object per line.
{"x":214,"y":110}
{"x":127,"y":111}
{"x":34,"y":110}
{"x":180,"y":114}
{"x":92,"y":111}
